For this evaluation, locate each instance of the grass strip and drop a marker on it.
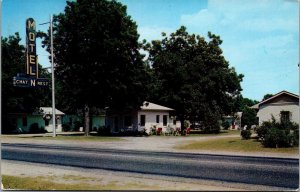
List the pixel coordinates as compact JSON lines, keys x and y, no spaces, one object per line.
{"x":234,"y":145}
{"x":39,"y":183}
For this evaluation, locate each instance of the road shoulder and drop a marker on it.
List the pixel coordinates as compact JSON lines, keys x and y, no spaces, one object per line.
{"x":114,"y":180}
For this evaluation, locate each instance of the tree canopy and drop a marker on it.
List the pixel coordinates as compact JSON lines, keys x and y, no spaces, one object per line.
{"x":16,"y":99}
{"x":97,"y":57}
{"x":193,"y":77}
{"x":267,"y":96}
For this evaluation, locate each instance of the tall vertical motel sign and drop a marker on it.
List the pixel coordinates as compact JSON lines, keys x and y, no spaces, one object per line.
{"x":30,"y":78}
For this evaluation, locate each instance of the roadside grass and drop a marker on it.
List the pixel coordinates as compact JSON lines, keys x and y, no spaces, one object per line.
{"x":69,"y":138}
{"x":235,"y":144}
{"x":39,"y":183}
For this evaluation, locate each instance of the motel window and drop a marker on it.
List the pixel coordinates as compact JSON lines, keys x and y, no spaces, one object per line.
{"x":24,"y":120}
{"x":285,"y":116}
{"x":127,"y":121}
{"x":143,"y":120}
{"x":157,"y":118}
{"x":165,"y":120}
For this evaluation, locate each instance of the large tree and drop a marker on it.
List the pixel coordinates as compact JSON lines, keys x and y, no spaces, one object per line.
{"x":16,"y":99}
{"x":97,"y":59}
{"x":193,"y":77}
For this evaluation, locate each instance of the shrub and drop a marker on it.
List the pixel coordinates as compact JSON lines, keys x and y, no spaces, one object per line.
{"x":262,"y":131}
{"x":103,"y":130}
{"x":275,"y":134}
{"x":246,"y":134}
{"x":34,"y":128}
{"x":275,"y":138}
{"x":225,"y":125}
{"x":296,"y":136}
{"x":43,"y":130}
{"x":77,"y":125}
{"x":66,"y":127}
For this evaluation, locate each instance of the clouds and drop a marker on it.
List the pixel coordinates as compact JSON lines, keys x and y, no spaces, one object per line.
{"x":153,"y":32}
{"x":254,"y":15}
{"x":204,"y":18}
{"x":260,"y":38}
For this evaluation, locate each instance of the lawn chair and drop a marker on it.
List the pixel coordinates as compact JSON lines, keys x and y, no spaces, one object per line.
{"x":159,"y":131}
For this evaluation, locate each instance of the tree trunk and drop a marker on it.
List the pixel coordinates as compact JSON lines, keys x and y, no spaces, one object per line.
{"x":87,"y":120}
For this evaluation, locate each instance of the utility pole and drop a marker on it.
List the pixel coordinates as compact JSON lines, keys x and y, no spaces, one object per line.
{"x":53,"y":83}
{"x":52,"y":70}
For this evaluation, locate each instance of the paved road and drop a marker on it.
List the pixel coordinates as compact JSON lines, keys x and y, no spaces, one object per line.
{"x":277,"y":172}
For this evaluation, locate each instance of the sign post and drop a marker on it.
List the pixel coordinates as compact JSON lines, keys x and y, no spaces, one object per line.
{"x":31,"y":79}
{"x":53,"y":85}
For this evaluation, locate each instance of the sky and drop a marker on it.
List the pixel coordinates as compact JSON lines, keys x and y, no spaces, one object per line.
{"x":260,"y":37}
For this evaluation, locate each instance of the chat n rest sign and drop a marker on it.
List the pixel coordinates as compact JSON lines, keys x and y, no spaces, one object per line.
{"x":30,"y":78}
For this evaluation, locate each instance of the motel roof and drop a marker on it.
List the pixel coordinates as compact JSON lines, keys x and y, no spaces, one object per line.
{"x":148,"y":106}
{"x":256,"y":106}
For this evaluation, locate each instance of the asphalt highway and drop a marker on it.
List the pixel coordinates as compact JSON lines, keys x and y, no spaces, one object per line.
{"x":277,"y":172}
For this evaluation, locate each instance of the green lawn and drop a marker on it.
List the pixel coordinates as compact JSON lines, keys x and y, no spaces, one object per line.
{"x":41,"y":183}
{"x":234,"y":145}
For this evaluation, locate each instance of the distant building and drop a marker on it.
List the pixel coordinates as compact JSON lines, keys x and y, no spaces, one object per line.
{"x":234,"y":121}
{"x":283,"y":106}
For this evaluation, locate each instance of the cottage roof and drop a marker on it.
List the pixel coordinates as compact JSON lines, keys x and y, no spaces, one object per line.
{"x":48,"y":110}
{"x":154,"y":107}
{"x":256,"y":106}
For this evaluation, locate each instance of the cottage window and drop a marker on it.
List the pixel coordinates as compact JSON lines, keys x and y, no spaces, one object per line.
{"x":174,"y":122}
{"x":157,"y":118}
{"x":285,"y":116}
{"x":165,"y":120}
{"x":143,"y":120}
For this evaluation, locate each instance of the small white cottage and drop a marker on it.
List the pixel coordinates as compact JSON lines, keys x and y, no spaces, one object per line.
{"x":283,"y":105}
{"x":42,"y":118}
{"x":47,"y":116}
{"x":149,"y":115}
